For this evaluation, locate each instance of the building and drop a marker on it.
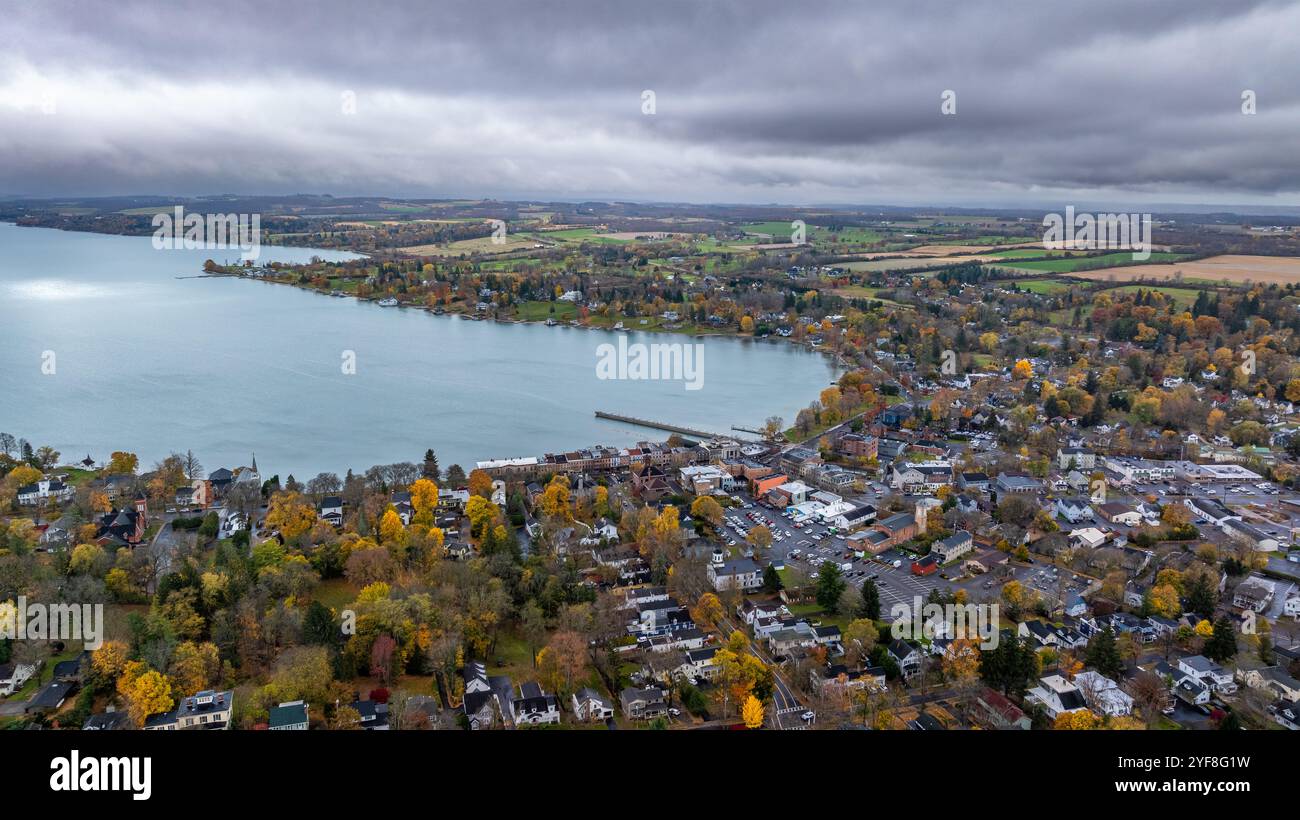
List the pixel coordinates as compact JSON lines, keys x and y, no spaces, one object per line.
{"x":1104,"y":694}
{"x":533,"y":707}
{"x":590,"y":706}
{"x":1075,"y":458}
{"x":643,"y":704}
{"x":1254,"y":594}
{"x":738,"y":573}
{"x":921,"y":478}
{"x":1058,"y":696}
{"x":291,"y":716}
{"x":953,"y":547}
{"x":45,"y":490}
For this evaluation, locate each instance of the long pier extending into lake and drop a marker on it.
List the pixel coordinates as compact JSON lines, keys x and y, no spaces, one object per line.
{"x":659,"y":425}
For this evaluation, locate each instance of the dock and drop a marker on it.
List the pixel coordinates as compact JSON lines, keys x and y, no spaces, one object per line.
{"x":660,"y":425}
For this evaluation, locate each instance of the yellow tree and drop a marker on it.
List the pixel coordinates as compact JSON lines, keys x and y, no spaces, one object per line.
{"x":122,"y":463}
{"x":707,"y":611}
{"x":291,"y":514}
{"x":480,"y":483}
{"x":555,"y":498}
{"x":752,"y":713}
{"x":1022,"y":370}
{"x":148,"y":694}
{"x":391,"y":530}
{"x":481,"y":513}
{"x":706,"y":509}
{"x":424,"y":498}
{"x":109,"y":659}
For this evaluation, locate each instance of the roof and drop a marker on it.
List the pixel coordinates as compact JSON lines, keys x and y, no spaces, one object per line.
{"x":288,"y":714}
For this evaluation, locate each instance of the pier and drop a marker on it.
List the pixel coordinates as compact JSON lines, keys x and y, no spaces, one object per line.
{"x":659,"y":425}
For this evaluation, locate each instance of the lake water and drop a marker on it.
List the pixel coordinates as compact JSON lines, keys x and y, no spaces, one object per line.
{"x":149,"y":361}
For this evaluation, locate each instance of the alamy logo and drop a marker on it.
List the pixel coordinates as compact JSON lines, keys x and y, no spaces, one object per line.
{"x":52,"y":622}
{"x":103,"y":774}
{"x":179,"y":230}
{"x":1073,"y":231}
{"x":676,"y":361}
{"x":977,"y":623}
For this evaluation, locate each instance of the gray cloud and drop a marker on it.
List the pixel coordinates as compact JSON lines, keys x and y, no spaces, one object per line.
{"x":756,"y":101}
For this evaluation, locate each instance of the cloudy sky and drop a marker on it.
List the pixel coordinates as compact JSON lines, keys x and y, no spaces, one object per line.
{"x":791,"y":102}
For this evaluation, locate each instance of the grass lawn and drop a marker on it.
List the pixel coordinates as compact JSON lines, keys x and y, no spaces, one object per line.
{"x":1047,"y":287}
{"x":1183,"y":297}
{"x":336,"y":593}
{"x":541,"y":311}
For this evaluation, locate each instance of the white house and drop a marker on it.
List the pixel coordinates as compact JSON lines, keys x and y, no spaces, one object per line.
{"x":1104,"y":694}
{"x":13,"y":676}
{"x":591,"y":706}
{"x":47,"y":489}
{"x":1057,"y":695}
{"x":1208,"y":673}
{"x":739,"y":573}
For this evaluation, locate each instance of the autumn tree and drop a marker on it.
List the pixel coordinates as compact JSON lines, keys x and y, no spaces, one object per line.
{"x":752,"y":711}
{"x":291,"y":514}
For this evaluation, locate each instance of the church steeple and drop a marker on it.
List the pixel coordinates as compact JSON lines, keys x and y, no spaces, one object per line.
{"x":255,"y":463}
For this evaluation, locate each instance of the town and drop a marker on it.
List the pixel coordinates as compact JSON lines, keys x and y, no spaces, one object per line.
{"x":1128,"y":531}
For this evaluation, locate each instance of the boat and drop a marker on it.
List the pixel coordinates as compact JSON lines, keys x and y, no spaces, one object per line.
{"x":389,"y":302}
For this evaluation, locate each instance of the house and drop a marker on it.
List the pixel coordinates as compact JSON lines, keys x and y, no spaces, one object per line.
{"x":47,"y":489}
{"x":330,"y":509}
{"x":124,"y":527}
{"x":1089,"y":537}
{"x":206,"y":710}
{"x":1208,"y":673}
{"x":374,"y":715}
{"x":738,"y":573}
{"x":998,"y":712}
{"x":590,"y":706}
{"x":894,"y":530}
{"x":486,"y":696}
{"x":699,"y":664}
{"x":1074,"y":510}
{"x":534,"y":707}
{"x":119,"y":720}
{"x":785,"y":641}
{"x":51,"y":696}
{"x":1276,"y":680}
{"x":973,"y":481}
{"x":13,"y":675}
{"x":1057,"y":695}
{"x":1103,"y":694}
{"x":291,"y":716}
{"x":908,"y":656}
{"x":1254,"y":594}
{"x":838,"y":677}
{"x":643,"y":704}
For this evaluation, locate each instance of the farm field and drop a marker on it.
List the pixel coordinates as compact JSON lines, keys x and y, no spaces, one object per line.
{"x":912,"y":262}
{"x":1183,"y":297}
{"x":1079,"y":263}
{"x":483,"y":244}
{"x":1232,"y":268}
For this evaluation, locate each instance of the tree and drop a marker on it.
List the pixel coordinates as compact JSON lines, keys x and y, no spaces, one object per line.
{"x":147,"y":692}
{"x":760,"y":538}
{"x":870,"y":600}
{"x":562,"y":661}
{"x":391,"y":529}
{"x":706,"y":509}
{"x":830,"y":586}
{"x":195,"y":667}
{"x":1009,"y":666}
{"x":424,"y":498}
{"x":429,"y":468}
{"x":122,"y":463}
{"x":1163,"y":600}
{"x":480,"y":483}
{"x":190,"y":462}
{"x":860,"y":638}
{"x":707,"y":611}
{"x":772,"y":579}
{"x":752,"y":711}
{"x":1022,"y":370}
{"x":291,"y":514}
{"x":1103,"y":654}
{"x":1222,"y":644}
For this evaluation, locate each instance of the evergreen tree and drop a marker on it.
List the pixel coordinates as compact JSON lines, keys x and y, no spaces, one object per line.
{"x":772,"y":579}
{"x":430,"y":469}
{"x":1222,"y":645}
{"x":1103,"y":654}
{"x":870,"y":600}
{"x":830,"y":586}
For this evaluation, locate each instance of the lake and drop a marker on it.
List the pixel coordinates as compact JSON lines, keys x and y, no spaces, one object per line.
{"x":151,"y":358}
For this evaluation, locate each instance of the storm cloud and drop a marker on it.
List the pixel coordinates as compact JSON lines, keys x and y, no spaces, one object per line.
{"x":754,"y":102}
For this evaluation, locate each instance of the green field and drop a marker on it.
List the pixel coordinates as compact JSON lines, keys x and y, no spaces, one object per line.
{"x":1183,"y":297}
{"x":1047,"y":287}
{"x":1088,"y":262}
{"x":541,"y":311}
